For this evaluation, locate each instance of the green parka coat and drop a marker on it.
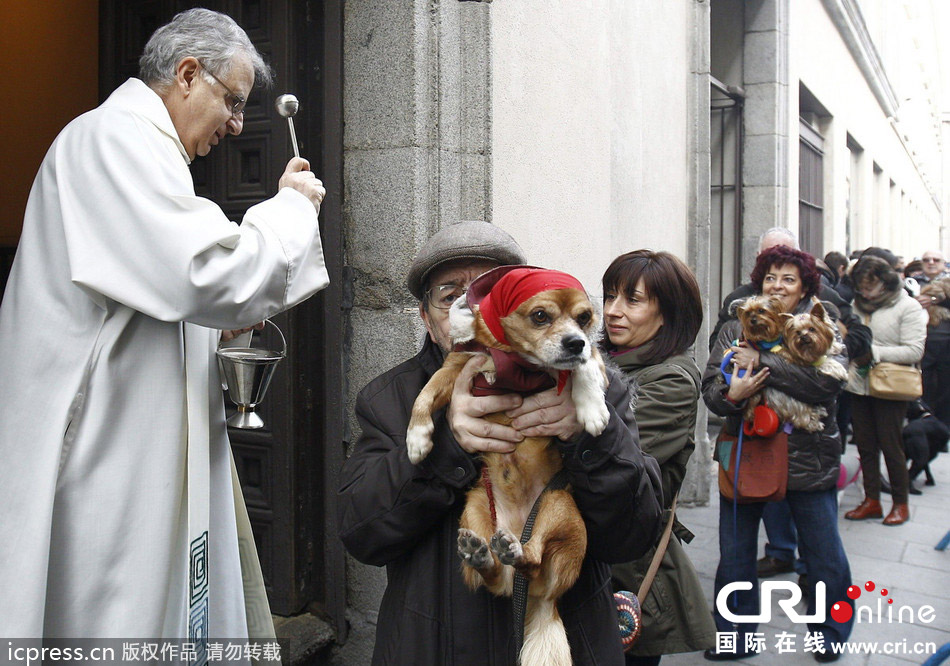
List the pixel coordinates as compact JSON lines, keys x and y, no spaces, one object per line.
{"x":676,"y":617}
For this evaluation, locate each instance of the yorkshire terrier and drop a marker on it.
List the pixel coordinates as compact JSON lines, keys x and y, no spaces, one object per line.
{"x":939,"y":291}
{"x":807,"y":339}
{"x":810,"y":340}
{"x":761,"y":319}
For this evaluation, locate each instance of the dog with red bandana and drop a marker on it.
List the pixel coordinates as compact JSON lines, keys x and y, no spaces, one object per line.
{"x":537,"y":328}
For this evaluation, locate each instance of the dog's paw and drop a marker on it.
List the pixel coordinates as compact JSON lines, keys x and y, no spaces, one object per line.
{"x":489,"y":372}
{"x":590,"y":384}
{"x":473,"y":549}
{"x":507,"y":548}
{"x":419,"y":441}
{"x":461,"y":321}
{"x":593,"y":416}
{"x":816,"y":418}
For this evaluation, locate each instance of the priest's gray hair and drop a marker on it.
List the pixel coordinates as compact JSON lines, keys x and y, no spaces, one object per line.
{"x":211,"y":37}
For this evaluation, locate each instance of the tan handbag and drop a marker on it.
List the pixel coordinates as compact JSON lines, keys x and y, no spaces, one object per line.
{"x":894,"y":381}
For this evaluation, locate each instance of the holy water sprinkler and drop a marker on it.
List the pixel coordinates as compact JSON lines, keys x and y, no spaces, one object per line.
{"x":246,"y":373}
{"x":287,"y":107}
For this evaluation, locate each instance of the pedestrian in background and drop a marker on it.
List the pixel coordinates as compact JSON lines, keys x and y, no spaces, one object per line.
{"x":899,"y":326}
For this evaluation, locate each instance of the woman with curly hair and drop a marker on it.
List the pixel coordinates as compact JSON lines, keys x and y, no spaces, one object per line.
{"x":813,"y":458}
{"x":899,"y":326}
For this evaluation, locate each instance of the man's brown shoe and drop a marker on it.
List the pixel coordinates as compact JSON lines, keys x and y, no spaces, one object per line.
{"x":899,"y":515}
{"x":867,"y":509}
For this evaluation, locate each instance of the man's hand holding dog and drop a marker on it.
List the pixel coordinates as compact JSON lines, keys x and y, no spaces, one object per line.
{"x":466,"y":415}
{"x":547,"y":414}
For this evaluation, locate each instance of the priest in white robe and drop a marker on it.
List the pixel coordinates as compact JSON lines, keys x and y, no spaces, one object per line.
{"x":119,"y":515}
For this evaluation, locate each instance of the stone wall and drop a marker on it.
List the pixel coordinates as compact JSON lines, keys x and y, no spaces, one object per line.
{"x":417,"y":157}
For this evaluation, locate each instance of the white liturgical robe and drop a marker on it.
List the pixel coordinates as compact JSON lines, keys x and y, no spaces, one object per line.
{"x":109,"y":392}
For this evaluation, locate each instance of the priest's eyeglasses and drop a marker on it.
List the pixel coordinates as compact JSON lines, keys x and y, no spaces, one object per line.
{"x":443,"y":295}
{"x":234,"y":101}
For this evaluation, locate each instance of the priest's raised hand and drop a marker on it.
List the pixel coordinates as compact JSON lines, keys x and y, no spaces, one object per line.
{"x":298,"y":176}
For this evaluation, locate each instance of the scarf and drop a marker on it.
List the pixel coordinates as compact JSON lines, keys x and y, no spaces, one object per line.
{"x":513,"y":374}
{"x":883,"y":300}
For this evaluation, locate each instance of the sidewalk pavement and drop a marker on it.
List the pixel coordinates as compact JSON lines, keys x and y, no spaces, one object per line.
{"x":901,"y":559}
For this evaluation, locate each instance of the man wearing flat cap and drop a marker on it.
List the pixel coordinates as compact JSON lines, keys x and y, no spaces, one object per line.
{"x":406,"y":517}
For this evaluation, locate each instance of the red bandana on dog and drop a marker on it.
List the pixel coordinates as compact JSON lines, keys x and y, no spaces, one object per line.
{"x":514,"y":288}
{"x":498,"y":293}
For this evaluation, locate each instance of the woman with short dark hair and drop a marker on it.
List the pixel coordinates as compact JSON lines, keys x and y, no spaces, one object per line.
{"x":668,"y":281}
{"x":652,"y":313}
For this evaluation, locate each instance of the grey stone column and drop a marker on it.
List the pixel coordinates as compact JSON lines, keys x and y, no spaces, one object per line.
{"x":765,"y":178}
{"x":417,"y":157}
{"x":696,"y":485}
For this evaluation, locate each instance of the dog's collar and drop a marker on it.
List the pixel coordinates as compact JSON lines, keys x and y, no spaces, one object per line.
{"x":820,"y":361}
{"x":513,"y":374}
{"x":766,"y":345}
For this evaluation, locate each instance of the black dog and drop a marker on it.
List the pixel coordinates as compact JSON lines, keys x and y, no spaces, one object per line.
{"x":924,"y":437}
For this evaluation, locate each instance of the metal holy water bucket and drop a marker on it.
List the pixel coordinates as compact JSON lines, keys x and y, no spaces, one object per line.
{"x":246,"y":373}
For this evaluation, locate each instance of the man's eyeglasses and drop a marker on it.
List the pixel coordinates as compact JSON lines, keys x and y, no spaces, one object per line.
{"x":442,"y":296}
{"x":234,"y":101}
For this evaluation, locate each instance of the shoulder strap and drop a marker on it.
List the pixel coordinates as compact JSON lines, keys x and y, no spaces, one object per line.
{"x":658,"y":556}
{"x":519,"y":593}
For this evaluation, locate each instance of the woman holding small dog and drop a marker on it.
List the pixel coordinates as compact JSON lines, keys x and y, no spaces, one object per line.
{"x":652,"y":313}
{"x":899,"y":325}
{"x":790,"y":276}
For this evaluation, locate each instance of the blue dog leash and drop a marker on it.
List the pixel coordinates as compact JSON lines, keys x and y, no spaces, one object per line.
{"x":726,"y":362}
{"x":735,"y":506}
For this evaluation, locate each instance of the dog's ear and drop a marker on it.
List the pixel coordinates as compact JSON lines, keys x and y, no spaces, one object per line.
{"x":786,"y":315}
{"x":818,"y":310}
{"x":737,"y":307}
{"x":461,"y":321}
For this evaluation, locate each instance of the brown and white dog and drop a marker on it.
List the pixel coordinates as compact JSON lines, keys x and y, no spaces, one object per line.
{"x":540,"y":321}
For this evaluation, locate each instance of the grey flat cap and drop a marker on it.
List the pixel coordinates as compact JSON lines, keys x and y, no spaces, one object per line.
{"x":463,"y":240}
